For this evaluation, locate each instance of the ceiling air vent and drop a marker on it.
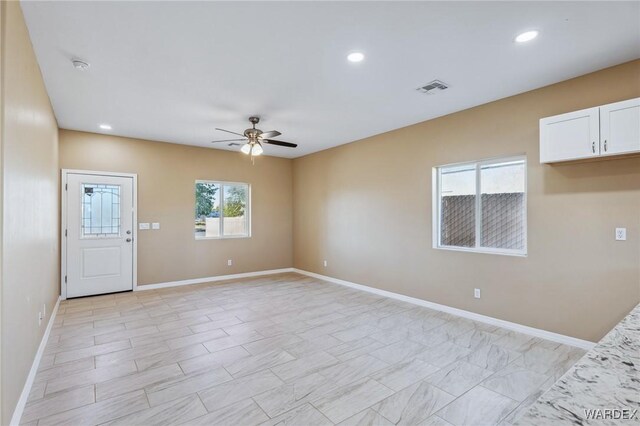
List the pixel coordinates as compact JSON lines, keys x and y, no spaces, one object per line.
{"x":433,"y":87}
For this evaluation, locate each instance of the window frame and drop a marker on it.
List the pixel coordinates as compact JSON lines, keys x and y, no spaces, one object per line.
{"x":222,"y":184}
{"x":436,"y":206}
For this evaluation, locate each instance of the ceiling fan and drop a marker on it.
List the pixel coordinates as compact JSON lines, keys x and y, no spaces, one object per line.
{"x":254,"y":138}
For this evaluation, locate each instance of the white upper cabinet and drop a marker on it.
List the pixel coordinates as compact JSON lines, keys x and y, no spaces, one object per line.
{"x":570,"y":136}
{"x":612,"y":129}
{"x":620,"y":127}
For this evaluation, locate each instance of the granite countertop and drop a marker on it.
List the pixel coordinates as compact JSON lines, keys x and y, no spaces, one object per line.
{"x":602,"y":388}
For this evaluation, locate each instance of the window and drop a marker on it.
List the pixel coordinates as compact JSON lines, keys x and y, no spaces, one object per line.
{"x":481,"y":206}
{"x":222,"y":210}
{"x":100,"y":210}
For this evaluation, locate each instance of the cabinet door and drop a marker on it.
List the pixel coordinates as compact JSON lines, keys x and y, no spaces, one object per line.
{"x":620,"y":127}
{"x":570,"y":136}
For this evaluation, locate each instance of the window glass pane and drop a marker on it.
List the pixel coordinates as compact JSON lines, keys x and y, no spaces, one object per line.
{"x":458,"y":206}
{"x":503,"y":208}
{"x":207,"y":212}
{"x":234,"y":211}
{"x":100,"y":210}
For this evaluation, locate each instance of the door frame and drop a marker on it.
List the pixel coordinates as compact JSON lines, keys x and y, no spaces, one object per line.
{"x":63,"y":238}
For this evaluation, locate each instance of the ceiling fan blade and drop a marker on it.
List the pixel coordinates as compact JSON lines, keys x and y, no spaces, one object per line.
{"x":228,"y":140}
{"x":229,"y":131}
{"x":280,"y":143}
{"x":270,"y":134}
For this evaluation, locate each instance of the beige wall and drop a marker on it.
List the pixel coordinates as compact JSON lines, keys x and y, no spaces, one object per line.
{"x":30,"y":223}
{"x":366,"y":208}
{"x":166,"y":179}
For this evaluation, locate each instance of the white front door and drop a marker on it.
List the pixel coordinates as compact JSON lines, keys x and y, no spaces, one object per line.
{"x":99,"y":234}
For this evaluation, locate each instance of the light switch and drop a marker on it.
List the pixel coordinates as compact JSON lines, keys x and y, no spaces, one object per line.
{"x":155,"y":225}
{"x":621,"y":234}
{"x":143,"y":226}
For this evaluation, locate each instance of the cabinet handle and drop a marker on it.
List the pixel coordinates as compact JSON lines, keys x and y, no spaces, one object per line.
{"x":593,"y":147}
{"x":605,"y":145}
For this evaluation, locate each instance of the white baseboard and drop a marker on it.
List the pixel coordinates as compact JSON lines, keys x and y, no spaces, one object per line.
{"x":17,"y":413}
{"x":212,"y":279}
{"x":536,"y":332}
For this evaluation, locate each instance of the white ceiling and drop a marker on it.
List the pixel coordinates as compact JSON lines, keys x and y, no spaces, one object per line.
{"x":173,"y":71}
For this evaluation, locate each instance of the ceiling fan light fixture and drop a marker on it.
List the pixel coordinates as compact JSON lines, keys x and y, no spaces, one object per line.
{"x":253,"y":139}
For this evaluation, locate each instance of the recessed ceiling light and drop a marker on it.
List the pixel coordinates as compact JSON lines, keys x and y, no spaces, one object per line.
{"x":105,"y":127}
{"x":526,"y":36}
{"x":355,"y":57}
{"x":80,"y":65}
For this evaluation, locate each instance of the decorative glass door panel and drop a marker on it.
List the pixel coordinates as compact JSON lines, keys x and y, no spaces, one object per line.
{"x":100,"y":210}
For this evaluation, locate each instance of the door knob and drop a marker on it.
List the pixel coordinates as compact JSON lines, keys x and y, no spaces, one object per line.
{"x":128,"y":240}
{"x":128,"y":232}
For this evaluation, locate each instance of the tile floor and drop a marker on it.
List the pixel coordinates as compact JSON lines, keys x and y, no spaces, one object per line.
{"x":282,"y":349}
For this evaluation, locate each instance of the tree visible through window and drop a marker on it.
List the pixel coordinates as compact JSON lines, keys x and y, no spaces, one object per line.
{"x":221,"y":209}
{"x":205,"y":199}
{"x":235,"y":201}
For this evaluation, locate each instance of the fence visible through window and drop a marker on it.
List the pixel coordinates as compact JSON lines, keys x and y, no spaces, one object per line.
{"x":481,"y":206}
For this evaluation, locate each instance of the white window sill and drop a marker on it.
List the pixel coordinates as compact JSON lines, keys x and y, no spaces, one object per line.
{"x":228,"y":237}
{"x":516,"y":253}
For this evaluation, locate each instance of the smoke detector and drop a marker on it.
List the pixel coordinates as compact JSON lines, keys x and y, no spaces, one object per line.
{"x":80,"y":65}
{"x":433,"y":87}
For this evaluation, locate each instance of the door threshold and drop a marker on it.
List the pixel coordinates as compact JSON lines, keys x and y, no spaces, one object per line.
{"x":100,"y":294}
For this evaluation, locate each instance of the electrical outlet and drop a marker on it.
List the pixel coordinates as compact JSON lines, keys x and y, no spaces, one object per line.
{"x":155,"y":225}
{"x":325,"y":263}
{"x":621,"y":234}
{"x":476,"y":293}
{"x":229,"y":262}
